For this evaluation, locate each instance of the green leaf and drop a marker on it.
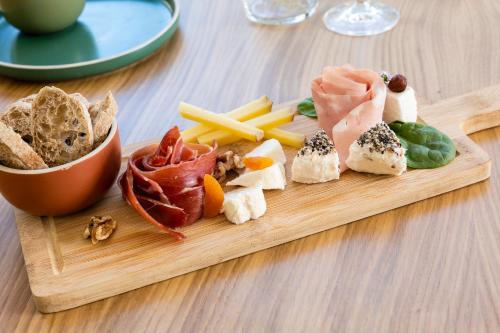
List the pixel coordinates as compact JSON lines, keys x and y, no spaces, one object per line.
{"x":306,"y":108}
{"x":385,"y":77}
{"x":426,"y":147}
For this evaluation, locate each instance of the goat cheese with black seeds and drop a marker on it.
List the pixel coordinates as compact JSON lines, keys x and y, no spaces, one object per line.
{"x":377,"y":151}
{"x":317,"y":161}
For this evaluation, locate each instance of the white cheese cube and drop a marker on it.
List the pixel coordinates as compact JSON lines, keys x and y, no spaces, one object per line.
{"x":270,"y":148}
{"x":244,"y":204}
{"x":400,"y":106}
{"x":270,"y":178}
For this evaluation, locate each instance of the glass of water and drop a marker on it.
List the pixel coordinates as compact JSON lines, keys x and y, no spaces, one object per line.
{"x":279,"y":12}
{"x":361,"y":18}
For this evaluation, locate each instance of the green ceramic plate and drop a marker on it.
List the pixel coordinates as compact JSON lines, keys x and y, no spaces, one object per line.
{"x":108,"y":35}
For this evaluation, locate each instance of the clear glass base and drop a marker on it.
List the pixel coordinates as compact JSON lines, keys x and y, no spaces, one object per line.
{"x":263,"y":12}
{"x":361,"y":18}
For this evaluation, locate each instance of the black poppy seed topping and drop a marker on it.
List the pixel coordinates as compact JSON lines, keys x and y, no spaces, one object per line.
{"x":320,"y":143}
{"x":380,"y":138}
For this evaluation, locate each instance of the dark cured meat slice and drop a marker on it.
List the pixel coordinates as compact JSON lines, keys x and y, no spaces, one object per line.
{"x":177,"y":151}
{"x":164,"y":183}
{"x":184,"y":174}
{"x":147,"y":187}
{"x":168,"y":141}
{"x":188,"y":155}
{"x":163,"y":213}
{"x":190,"y":200}
{"x":125,"y":181}
{"x":157,"y":161}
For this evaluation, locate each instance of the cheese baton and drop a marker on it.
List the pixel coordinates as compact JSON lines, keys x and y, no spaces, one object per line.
{"x":267,"y":121}
{"x":286,"y":137}
{"x":248,"y":111}
{"x":218,"y":121}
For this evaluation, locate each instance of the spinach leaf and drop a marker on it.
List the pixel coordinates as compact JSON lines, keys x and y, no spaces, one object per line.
{"x":306,"y":108}
{"x":426,"y":146}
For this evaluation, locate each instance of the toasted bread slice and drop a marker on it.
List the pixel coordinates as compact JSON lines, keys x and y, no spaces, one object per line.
{"x":62,"y":129}
{"x":28,"y":99}
{"x":31,"y":98}
{"x":102,"y":114}
{"x":81,"y":99}
{"x":15,"y":153}
{"x":18,"y":117}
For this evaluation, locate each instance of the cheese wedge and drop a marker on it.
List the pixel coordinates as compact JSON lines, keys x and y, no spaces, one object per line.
{"x":267,"y":121}
{"x":244,"y":204}
{"x":377,"y":151}
{"x":248,"y":111}
{"x":233,"y":127}
{"x":269,"y":148}
{"x":270,"y":178}
{"x":317,"y":161}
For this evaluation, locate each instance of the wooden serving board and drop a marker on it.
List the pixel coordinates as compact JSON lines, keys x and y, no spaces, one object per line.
{"x":66,"y":270}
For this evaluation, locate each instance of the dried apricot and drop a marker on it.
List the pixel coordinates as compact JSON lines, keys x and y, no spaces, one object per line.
{"x":214,"y":196}
{"x":258,"y":162}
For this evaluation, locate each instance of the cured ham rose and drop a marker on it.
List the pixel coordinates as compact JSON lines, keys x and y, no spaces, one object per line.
{"x":348,"y":102}
{"x":164,"y":182}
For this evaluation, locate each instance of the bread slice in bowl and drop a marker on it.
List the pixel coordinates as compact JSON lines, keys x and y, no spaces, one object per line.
{"x":81,"y":99}
{"x":15,"y":153}
{"x":62,"y":128}
{"x":18,"y":117}
{"x":102,"y":114}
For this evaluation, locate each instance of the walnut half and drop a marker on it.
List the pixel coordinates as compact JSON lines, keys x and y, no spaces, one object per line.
{"x":227,"y":162}
{"x":99,"y":228}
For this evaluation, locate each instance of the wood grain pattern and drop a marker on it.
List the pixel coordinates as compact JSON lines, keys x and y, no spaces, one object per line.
{"x":66,"y":271}
{"x":431,"y":266}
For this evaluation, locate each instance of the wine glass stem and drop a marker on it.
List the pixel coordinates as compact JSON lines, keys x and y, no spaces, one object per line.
{"x":361,"y":18}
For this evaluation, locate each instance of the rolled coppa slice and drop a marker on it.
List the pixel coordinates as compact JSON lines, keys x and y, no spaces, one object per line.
{"x":377,"y":151}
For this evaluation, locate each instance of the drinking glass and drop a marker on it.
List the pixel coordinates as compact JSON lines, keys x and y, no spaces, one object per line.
{"x":279,"y":12}
{"x":361,"y":18}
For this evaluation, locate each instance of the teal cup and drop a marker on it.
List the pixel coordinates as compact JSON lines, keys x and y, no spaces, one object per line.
{"x":41,"y":16}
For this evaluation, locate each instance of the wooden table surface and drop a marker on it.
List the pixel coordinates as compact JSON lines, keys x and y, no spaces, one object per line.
{"x":433,"y":266}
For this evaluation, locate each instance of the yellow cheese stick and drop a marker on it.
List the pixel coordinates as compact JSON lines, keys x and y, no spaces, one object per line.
{"x":267,"y":121}
{"x":251,"y":110}
{"x":286,"y":137}
{"x":218,"y":121}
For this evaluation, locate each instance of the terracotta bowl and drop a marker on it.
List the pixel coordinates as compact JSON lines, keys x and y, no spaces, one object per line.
{"x":66,"y":188}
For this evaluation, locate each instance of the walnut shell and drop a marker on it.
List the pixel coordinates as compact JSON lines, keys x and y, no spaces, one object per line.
{"x":99,"y":228}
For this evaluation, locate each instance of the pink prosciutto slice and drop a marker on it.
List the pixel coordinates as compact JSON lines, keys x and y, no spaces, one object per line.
{"x":348,"y":102}
{"x":164,"y":183}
